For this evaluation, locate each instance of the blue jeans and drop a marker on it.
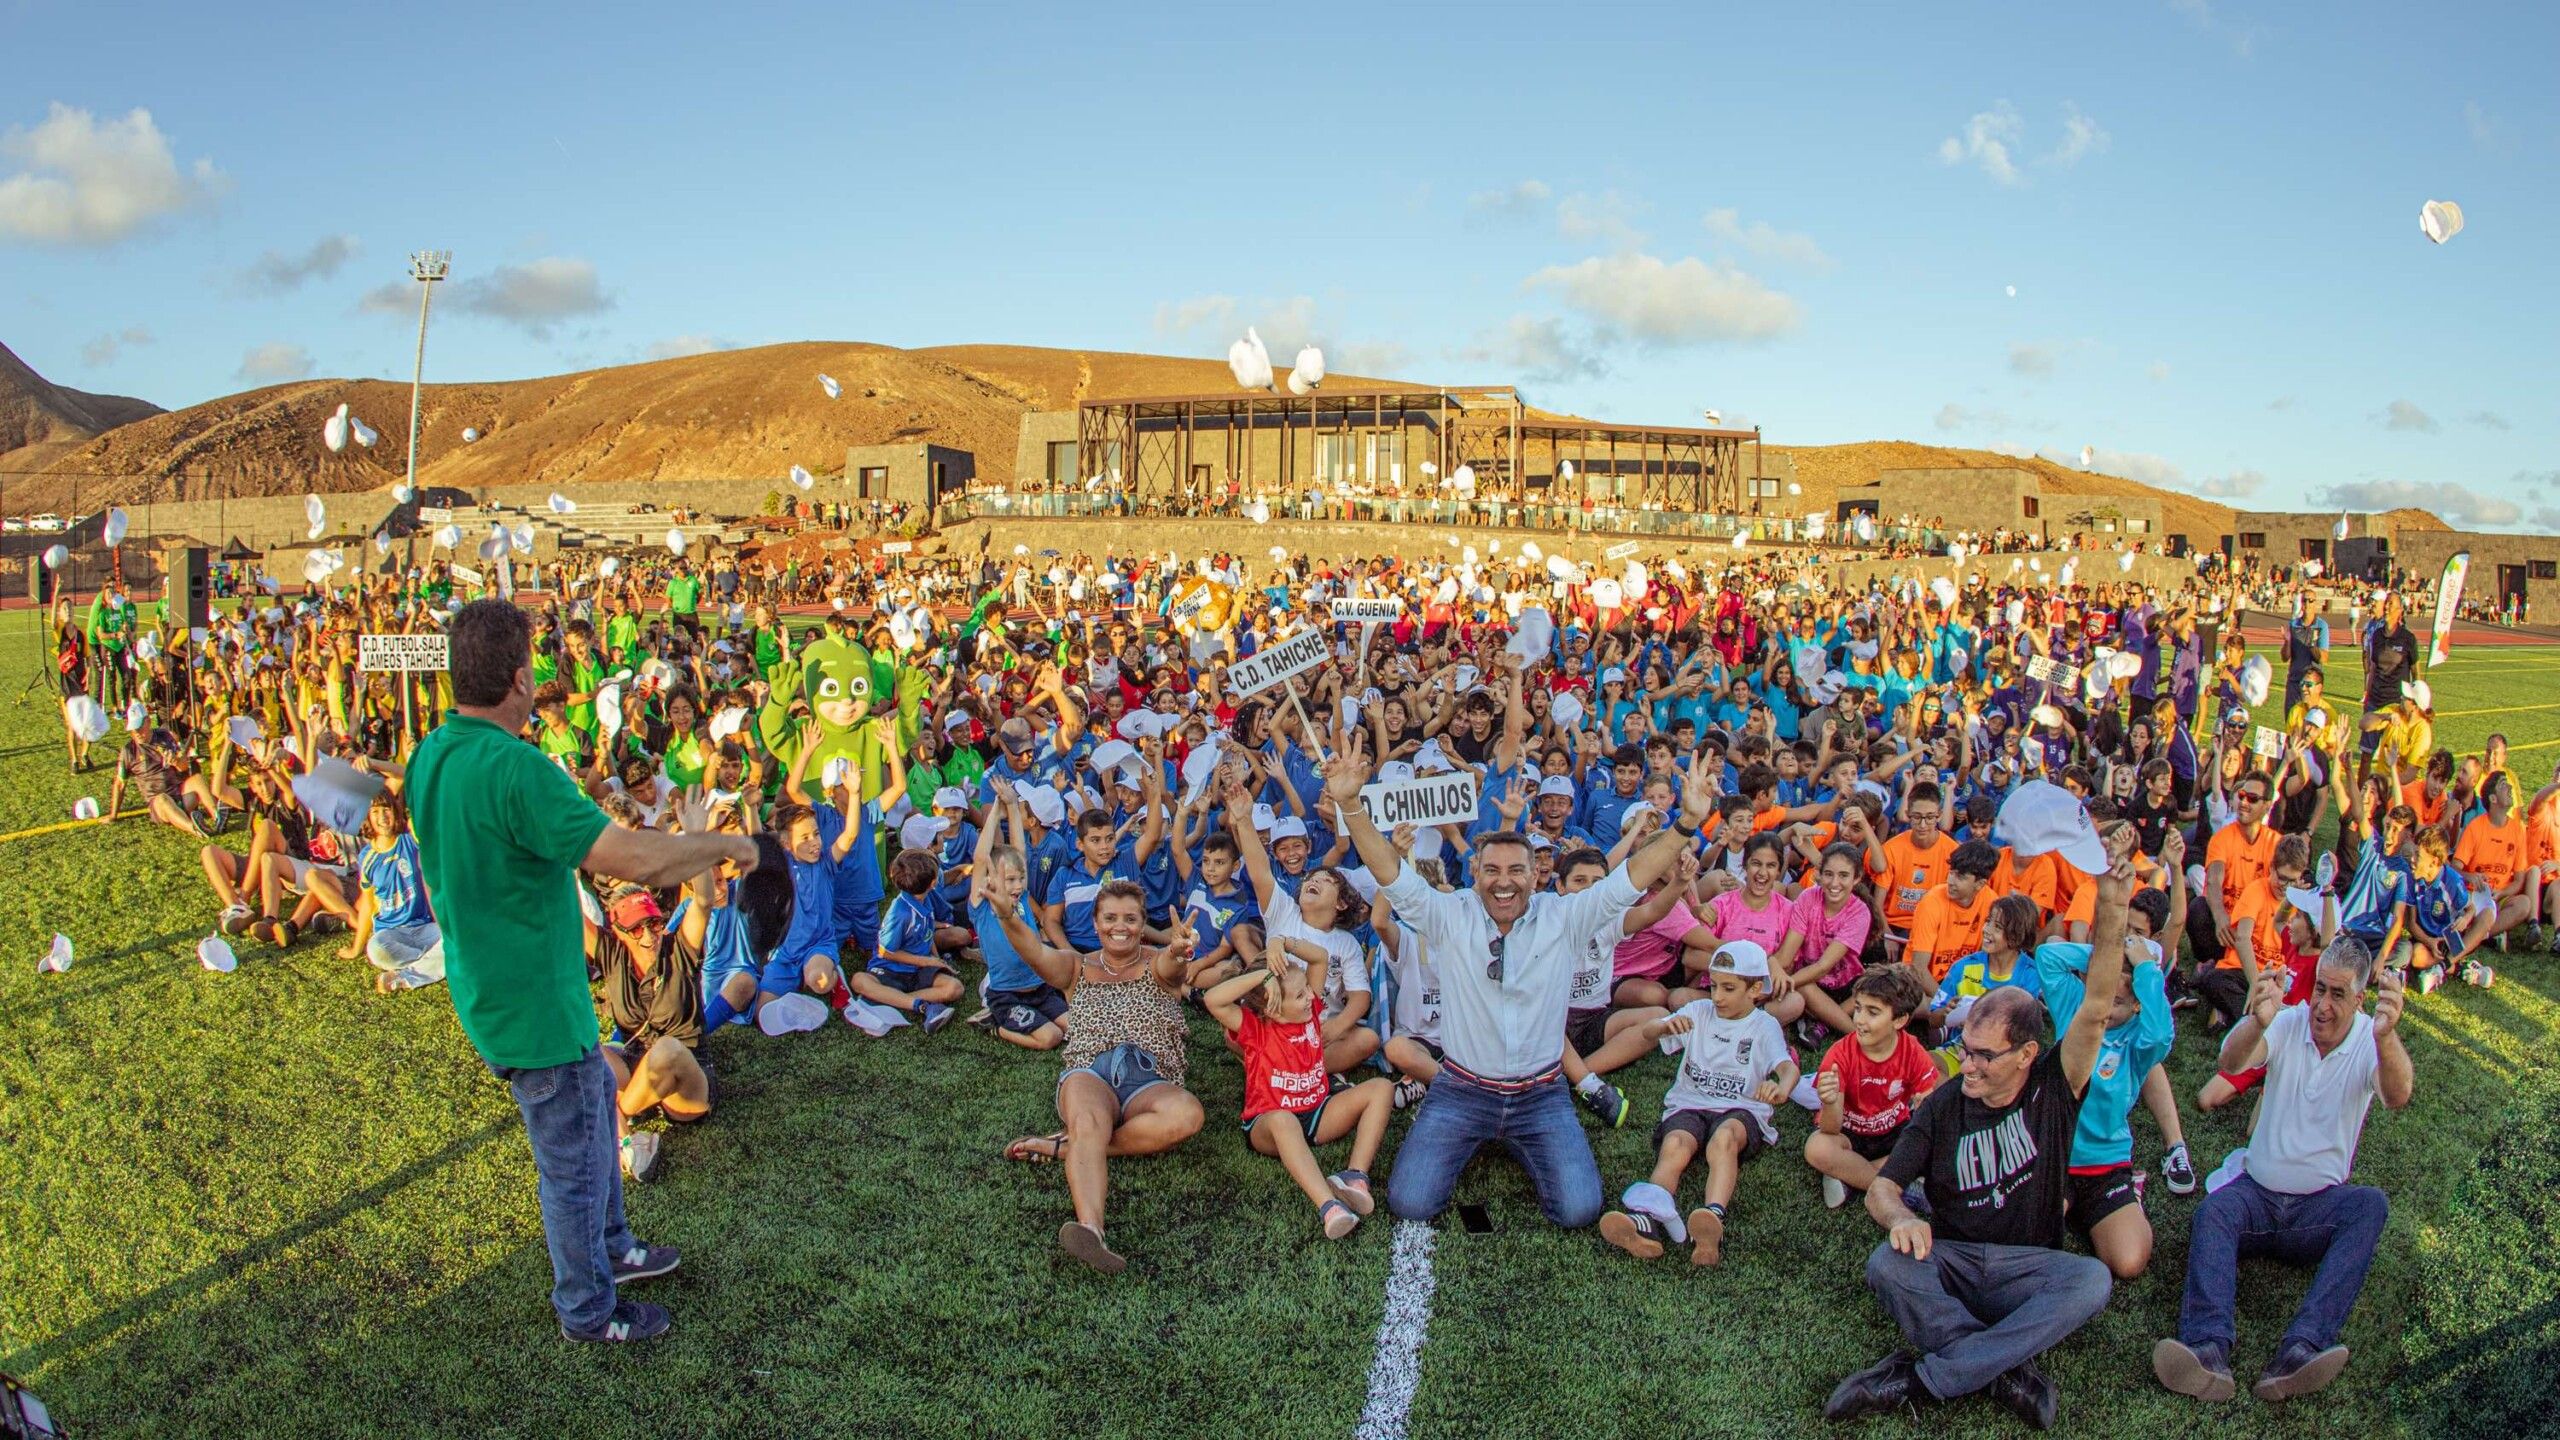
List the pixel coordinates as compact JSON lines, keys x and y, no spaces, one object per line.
{"x":1539,"y":1127}
{"x":570,"y":1116}
{"x":2335,"y":1229}
{"x":1975,"y":1311}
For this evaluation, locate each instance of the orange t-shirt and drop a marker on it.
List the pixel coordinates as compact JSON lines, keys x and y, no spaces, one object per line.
{"x":2041,"y":881}
{"x":2414,"y":795}
{"x":1945,"y":931}
{"x":1769,"y":819}
{"x":1909,"y":873}
{"x":2261,"y":903}
{"x":2494,"y":853}
{"x":2244,"y":861}
{"x":2542,"y":831}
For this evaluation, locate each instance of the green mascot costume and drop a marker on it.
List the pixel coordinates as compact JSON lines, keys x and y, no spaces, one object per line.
{"x":846,"y":687}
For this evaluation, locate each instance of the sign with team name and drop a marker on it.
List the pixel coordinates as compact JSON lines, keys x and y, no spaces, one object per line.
{"x":2267,"y":741}
{"x":434,"y":514}
{"x":1621,"y":550}
{"x":1366,"y":611}
{"x":2052,"y":672}
{"x":1265,"y":668}
{"x":899,"y":547}
{"x":400,"y":654}
{"x":469,"y":576}
{"x":1436,"y":800}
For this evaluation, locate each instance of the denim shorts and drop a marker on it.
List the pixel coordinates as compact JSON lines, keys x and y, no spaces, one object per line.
{"x":1128,"y":1069}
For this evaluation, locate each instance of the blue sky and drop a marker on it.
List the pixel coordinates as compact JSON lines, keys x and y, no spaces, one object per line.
{"x":2208,"y":209}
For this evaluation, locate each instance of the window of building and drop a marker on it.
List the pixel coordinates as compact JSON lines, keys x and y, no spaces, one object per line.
{"x":2137,"y":527}
{"x":2314,"y":549}
{"x":2253,"y":539}
{"x":1764,"y":487}
{"x":2545,"y":569}
{"x":873,"y":482}
{"x":1062,"y":463}
{"x":2030,"y":506}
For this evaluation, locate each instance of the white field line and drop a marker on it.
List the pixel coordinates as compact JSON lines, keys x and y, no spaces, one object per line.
{"x":1402,"y":1327}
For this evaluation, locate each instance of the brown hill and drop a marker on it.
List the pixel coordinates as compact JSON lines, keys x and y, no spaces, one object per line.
{"x":1823,"y":470}
{"x":41,"y":421}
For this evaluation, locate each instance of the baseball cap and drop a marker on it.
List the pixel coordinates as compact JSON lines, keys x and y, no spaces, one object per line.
{"x":950,"y":797}
{"x":837,"y":770}
{"x":2042,"y":818}
{"x":1110,"y":755}
{"x":1263,"y":819}
{"x":1612,"y":673}
{"x":1741,"y":957}
{"x":1045,"y":804}
{"x":956,"y":720}
{"x":921,"y":831}
{"x":1288,"y":827}
{"x":1146,"y":725}
{"x":1555,"y":785}
{"x":1431,"y":758}
{"x":2419,"y":693}
{"x":1395,"y":771}
{"x":1015,"y":735}
{"x":1540,"y":842}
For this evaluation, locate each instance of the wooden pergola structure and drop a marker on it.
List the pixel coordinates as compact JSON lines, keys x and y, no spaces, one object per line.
{"x":1377,"y":442}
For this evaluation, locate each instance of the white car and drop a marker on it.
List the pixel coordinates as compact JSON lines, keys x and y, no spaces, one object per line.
{"x":48,"y":524}
{"x":13,"y":525}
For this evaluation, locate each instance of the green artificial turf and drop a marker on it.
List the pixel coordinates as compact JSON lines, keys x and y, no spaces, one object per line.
{"x":276,"y":1204}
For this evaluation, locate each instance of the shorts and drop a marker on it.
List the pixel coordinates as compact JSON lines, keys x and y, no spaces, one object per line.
{"x":2095,"y":1197}
{"x":2241,"y":1081}
{"x":2369,"y":743}
{"x":634,"y":1051}
{"x":2224,"y":988}
{"x":1429,"y":1047}
{"x":1307,"y":1121}
{"x":1872,"y":1148}
{"x":298,"y":873}
{"x":1023,"y":1012}
{"x":1586,"y":1030}
{"x":783,"y":974}
{"x":905,"y":979}
{"x":1128,"y":1069}
{"x":1701,"y":1126}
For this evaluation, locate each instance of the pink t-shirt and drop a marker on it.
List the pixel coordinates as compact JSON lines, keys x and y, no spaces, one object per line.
{"x":1648,"y":953}
{"x":1730,"y":915}
{"x":1849,"y":928}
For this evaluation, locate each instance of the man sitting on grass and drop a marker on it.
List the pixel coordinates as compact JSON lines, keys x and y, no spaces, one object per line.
{"x":2326,"y":1062}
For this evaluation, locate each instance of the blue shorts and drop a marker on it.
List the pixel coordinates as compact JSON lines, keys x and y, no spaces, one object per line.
{"x":905,"y":979}
{"x":784,"y":973}
{"x":1128,"y":1069}
{"x":1023,"y":1012}
{"x":858,"y":930}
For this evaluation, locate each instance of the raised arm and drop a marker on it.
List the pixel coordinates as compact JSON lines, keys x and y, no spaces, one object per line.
{"x":1343,"y":777}
{"x":1054,"y":963}
{"x":2106,"y":975}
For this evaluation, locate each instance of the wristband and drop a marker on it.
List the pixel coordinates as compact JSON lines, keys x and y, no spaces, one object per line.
{"x":1682,"y":826}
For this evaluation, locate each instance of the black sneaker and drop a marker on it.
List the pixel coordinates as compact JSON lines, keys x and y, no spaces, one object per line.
{"x":2024,"y":1392}
{"x":2299,"y":1369}
{"x":2179,"y":1171}
{"x":631,"y":1320}
{"x":1888,"y":1384}
{"x":645,"y":1262}
{"x":1607,"y":1102}
{"x":2200,"y":1371}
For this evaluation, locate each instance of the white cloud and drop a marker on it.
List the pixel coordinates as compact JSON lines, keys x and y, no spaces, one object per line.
{"x":2034,"y":360}
{"x":2401,"y":415}
{"x":1952,"y":416}
{"x":1216,"y":312}
{"x":1523,"y":201}
{"x":275,"y":361}
{"x":1536,"y":349}
{"x":2458,"y":505}
{"x":2487,"y":420}
{"x":87,"y":183}
{"x":2283,"y":402}
{"x":2159,"y":370}
{"x":275,"y":272}
{"x":1377,"y":359}
{"x":2150,"y":469}
{"x":2238,"y":31}
{"x":104,"y":349}
{"x":1665,"y":303}
{"x":675,"y":347}
{"x":534,"y":296}
{"x":2238,"y":485}
{"x":1608,"y":218}
{"x":1986,"y":140}
{"x":1761,"y":240}
{"x":2080,"y":136}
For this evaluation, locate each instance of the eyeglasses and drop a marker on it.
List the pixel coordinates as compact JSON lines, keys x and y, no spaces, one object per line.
{"x":1493,"y":969}
{"x":1972,"y":1055}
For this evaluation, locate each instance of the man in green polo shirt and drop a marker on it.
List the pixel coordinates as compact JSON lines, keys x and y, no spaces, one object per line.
{"x":684,"y":599}
{"x":502,"y":834}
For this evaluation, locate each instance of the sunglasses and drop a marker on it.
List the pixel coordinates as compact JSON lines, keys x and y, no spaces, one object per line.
{"x":1493,"y":969}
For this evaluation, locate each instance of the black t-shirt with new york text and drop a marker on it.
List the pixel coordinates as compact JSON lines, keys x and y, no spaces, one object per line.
{"x":1997,"y":1177}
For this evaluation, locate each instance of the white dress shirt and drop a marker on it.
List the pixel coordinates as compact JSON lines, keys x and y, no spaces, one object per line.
{"x":2313,"y":1110}
{"x":1514,"y":1028}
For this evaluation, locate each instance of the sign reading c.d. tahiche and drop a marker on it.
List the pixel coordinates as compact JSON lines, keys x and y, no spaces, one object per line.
{"x":1435,"y":800}
{"x":1265,"y":668}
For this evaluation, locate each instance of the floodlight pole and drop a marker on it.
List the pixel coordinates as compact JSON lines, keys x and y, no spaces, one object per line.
{"x":426,"y":267}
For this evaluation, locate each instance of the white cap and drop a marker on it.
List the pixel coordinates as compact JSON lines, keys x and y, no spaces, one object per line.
{"x":1146,"y":725}
{"x":1741,"y":957}
{"x":1045,"y":804}
{"x":1431,"y":758}
{"x":921,"y":831}
{"x":2040,"y":818}
{"x":2419,"y":692}
{"x":1110,"y":755}
{"x":838,"y":769}
{"x":1555,"y":785}
{"x":1395,"y":772}
{"x":1263,"y":819}
{"x":950,"y":797}
{"x":1288,"y":827}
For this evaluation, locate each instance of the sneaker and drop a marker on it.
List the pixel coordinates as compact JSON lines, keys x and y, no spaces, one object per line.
{"x":2475,"y":973}
{"x":1409,"y":1092}
{"x":631,"y":1320}
{"x":1639,"y":1235}
{"x":2299,"y":1369}
{"x":235,"y":919}
{"x":2178,"y":1170}
{"x":1889,"y":1384}
{"x":982,"y":1020}
{"x":2429,"y":978}
{"x":935,"y":1015}
{"x":1607,"y":1102}
{"x":2555,"y":939}
{"x":1834,"y":1193}
{"x":639,"y":1156}
{"x":2024,"y":1391}
{"x":2202,"y":1372}
{"x":328,"y":923}
{"x":1706,"y":1234}
{"x":645,"y":1262}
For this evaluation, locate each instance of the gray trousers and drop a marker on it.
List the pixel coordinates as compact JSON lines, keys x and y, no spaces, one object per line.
{"x":1975,"y":1311}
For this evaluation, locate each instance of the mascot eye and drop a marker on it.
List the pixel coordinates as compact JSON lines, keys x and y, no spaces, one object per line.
{"x":831,"y":689}
{"x":857,"y":686}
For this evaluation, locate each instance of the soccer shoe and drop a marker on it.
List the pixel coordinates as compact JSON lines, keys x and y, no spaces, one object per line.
{"x":1607,"y":1102}
{"x":2179,"y":1171}
{"x":1409,"y":1092}
{"x":1638,"y":1235}
{"x":936,"y":1015}
{"x":235,"y":918}
{"x":2475,"y":973}
{"x":645,"y":1262}
{"x":2198,"y":1371}
{"x":2299,"y":1370}
{"x":631,"y":1320}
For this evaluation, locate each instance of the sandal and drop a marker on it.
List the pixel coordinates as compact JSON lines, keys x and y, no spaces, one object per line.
{"x":1338,"y":1219}
{"x":1351,"y":1187}
{"x":1085,"y":1243}
{"x":1022,"y":1151}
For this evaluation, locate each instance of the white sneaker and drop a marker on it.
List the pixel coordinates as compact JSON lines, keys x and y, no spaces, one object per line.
{"x":1834,"y":1193}
{"x":639,"y":1156}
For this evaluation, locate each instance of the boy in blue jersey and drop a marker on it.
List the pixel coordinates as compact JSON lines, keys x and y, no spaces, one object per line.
{"x":1066,"y":909}
{"x":1023,"y":1009}
{"x":908,"y":972}
{"x":1223,"y":914}
{"x":2426,"y":928}
{"x":806,"y":956}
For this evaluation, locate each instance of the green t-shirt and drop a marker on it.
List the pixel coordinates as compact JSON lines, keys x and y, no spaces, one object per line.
{"x":500,"y":834}
{"x":622,"y":639}
{"x":687,"y":760}
{"x":545,"y":666}
{"x":562,"y":742}
{"x":684,"y":594}
{"x":586,"y":677}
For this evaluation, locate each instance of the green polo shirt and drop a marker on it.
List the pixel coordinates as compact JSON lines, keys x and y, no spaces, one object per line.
{"x":684,"y":595}
{"x":500,"y":834}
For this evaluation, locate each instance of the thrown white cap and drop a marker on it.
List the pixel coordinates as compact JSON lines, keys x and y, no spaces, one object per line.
{"x":2040,"y":818}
